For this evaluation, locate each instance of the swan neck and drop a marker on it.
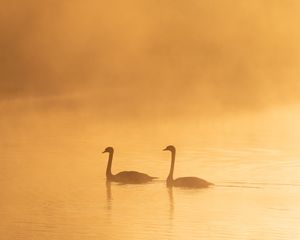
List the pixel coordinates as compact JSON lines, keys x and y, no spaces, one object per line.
{"x":108,"y":168}
{"x":170,"y":177}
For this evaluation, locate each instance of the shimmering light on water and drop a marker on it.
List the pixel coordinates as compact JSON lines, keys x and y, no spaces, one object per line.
{"x":53,"y":183}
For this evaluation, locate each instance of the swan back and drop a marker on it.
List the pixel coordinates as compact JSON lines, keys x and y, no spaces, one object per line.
{"x":132,"y":177}
{"x":191,"y":182}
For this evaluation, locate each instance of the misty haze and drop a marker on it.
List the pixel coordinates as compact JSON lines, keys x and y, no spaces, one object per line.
{"x":216,"y":81}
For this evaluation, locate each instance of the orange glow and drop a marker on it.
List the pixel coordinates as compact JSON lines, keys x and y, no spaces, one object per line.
{"x":217,"y":79}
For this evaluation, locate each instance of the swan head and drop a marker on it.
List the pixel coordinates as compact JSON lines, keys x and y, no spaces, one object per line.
{"x":108,"y":150}
{"x":170,"y":148}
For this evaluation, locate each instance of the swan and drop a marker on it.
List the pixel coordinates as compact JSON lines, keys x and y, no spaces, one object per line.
{"x":132,"y":177}
{"x":186,"y":182}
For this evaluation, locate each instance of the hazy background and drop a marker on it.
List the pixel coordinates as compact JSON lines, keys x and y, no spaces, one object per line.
{"x":149,"y":59}
{"x":216,"y":78}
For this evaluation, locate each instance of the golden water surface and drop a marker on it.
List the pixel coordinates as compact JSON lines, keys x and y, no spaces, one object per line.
{"x":52,"y":178}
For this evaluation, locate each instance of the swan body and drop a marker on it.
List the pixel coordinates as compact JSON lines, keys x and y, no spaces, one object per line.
{"x":126,"y":177}
{"x":191,"y":182}
{"x":185,"y":182}
{"x":132,"y":177}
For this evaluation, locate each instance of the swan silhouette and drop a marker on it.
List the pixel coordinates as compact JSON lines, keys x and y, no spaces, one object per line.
{"x":130,"y":177}
{"x":186,"y":182}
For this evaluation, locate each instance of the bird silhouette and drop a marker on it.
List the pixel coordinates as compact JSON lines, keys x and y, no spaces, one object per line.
{"x":186,"y":182}
{"x":126,"y":177}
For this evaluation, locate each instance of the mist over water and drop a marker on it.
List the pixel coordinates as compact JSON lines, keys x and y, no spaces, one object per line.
{"x":217,"y":79}
{"x":53,"y":177}
{"x":151,"y":58}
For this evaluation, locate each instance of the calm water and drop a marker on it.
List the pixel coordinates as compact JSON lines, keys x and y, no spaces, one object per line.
{"x":53,"y":183}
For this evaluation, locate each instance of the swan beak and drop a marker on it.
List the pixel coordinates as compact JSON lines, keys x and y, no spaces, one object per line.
{"x":165,"y":149}
{"x":104,"y":151}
